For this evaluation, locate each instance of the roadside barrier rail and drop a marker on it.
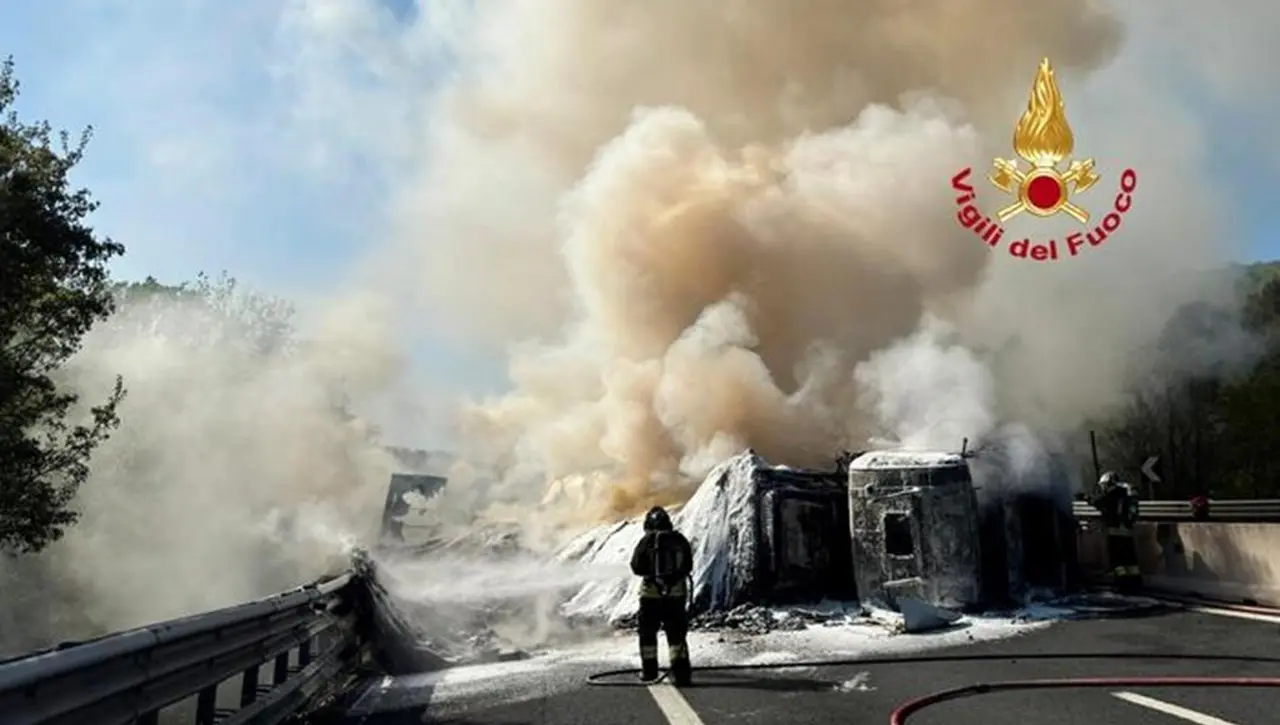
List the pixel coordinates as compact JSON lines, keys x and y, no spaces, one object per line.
{"x":304,"y":638}
{"x":1226,"y":511}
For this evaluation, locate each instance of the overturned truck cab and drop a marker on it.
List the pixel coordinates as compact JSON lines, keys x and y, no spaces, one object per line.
{"x":915,"y":528}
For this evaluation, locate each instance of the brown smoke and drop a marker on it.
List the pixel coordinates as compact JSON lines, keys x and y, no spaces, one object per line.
{"x":543,"y":86}
{"x":708,"y":215}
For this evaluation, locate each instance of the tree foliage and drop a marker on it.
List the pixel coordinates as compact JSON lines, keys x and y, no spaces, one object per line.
{"x":226,"y":309}
{"x":54,"y":286}
{"x":1213,"y":426}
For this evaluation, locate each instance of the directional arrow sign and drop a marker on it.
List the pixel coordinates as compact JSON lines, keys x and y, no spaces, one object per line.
{"x":1149,"y":469}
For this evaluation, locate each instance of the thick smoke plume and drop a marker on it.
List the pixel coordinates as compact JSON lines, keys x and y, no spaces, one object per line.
{"x":730,"y":227}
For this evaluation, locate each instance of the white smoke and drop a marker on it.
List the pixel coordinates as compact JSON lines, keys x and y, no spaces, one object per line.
{"x":930,"y":392}
{"x":236,"y":471}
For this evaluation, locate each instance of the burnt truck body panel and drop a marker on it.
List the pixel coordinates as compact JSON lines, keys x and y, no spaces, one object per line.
{"x":1028,"y":528}
{"x":1040,"y":536}
{"x":788,"y":536}
{"x":914,"y":523}
{"x":806,"y":553}
{"x":397,"y":506}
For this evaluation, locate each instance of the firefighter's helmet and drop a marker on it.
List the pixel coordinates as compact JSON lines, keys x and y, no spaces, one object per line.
{"x":657,"y":520}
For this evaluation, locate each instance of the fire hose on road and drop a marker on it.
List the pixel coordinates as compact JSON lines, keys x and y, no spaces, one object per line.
{"x":903,"y":712}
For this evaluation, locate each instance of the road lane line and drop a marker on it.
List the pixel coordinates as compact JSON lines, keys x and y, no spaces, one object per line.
{"x":677,"y":709}
{"x":1237,"y":613}
{"x":1199,"y":718}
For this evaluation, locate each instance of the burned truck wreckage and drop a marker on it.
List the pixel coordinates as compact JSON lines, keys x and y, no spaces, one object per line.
{"x":921,"y":527}
{"x":947,"y":529}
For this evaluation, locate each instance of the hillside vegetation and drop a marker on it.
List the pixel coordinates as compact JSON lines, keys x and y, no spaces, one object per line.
{"x":1215,"y":430}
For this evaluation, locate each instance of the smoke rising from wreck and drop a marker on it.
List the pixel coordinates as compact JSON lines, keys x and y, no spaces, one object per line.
{"x":751,"y":243}
{"x":690,"y":229}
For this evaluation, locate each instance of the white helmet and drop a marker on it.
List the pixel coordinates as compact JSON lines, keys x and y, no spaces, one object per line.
{"x":1107,"y":480}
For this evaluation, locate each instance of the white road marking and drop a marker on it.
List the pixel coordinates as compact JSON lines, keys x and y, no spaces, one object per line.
{"x":1237,"y":613}
{"x":675,"y":707}
{"x":1199,"y":718}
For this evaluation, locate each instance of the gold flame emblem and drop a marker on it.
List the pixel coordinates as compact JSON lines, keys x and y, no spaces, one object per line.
{"x":1043,"y":139}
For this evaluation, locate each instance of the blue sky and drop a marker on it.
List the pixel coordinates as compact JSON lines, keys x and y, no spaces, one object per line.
{"x":257,"y":137}
{"x":1254,"y":186}
{"x":207,"y":154}
{"x":243,"y":135}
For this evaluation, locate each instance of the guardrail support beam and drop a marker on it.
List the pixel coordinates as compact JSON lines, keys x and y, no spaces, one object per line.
{"x":207,"y":706}
{"x":280,"y":672}
{"x":249,"y":686}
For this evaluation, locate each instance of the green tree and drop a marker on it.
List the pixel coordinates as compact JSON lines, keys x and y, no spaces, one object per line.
{"x":1212,"y":417}
{"x":227,"y":312}
{"x":54,"y":286}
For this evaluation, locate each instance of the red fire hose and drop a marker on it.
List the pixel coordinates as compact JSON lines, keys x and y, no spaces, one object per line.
{"x":904,"y":711}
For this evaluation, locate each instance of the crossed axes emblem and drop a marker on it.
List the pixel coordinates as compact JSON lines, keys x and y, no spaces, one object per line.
{"x":1007,"y":177}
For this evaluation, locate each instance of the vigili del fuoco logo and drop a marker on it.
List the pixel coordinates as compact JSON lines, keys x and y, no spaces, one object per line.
{"x":1043,"y":139}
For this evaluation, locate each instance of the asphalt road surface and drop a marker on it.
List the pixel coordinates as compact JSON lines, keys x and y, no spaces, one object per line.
{"x":866,"y":694}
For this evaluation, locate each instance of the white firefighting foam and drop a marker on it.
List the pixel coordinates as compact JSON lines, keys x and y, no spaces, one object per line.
{"x":716,"y":520}
{"x":453,"y":691}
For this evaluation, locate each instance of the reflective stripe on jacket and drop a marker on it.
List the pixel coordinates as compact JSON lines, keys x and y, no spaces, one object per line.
{"x":649,"y":589}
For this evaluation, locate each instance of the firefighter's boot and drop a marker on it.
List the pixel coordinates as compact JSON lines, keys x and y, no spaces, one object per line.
{"x":682,"y":673}
{"x":681,"y":669}
{"x":649,"y":663}
{"x":649,"y":671}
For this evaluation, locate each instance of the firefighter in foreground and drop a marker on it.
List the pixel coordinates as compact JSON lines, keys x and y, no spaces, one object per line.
{"x":664,"y":560}
{"x":1118,"y":506}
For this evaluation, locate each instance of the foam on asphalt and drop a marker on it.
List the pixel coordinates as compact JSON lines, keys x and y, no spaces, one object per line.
{"x":457,"y":689}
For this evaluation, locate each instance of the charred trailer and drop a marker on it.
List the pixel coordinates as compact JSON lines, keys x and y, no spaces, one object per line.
{"x":776,"y":535}
{"x":914,"y":522}
{"x":397,"y":506}
{"x":1029,"y":533}
{"x":1029,"y":550}
{"x":805,"y":551}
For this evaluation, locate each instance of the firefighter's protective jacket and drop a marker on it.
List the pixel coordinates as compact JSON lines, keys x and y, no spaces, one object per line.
{"x":1118,"y":507}
{"x":664,"y":561}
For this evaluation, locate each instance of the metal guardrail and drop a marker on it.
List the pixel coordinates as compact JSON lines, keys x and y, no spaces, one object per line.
{"x":307,"y":634}
{"x":1227,"y":511}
